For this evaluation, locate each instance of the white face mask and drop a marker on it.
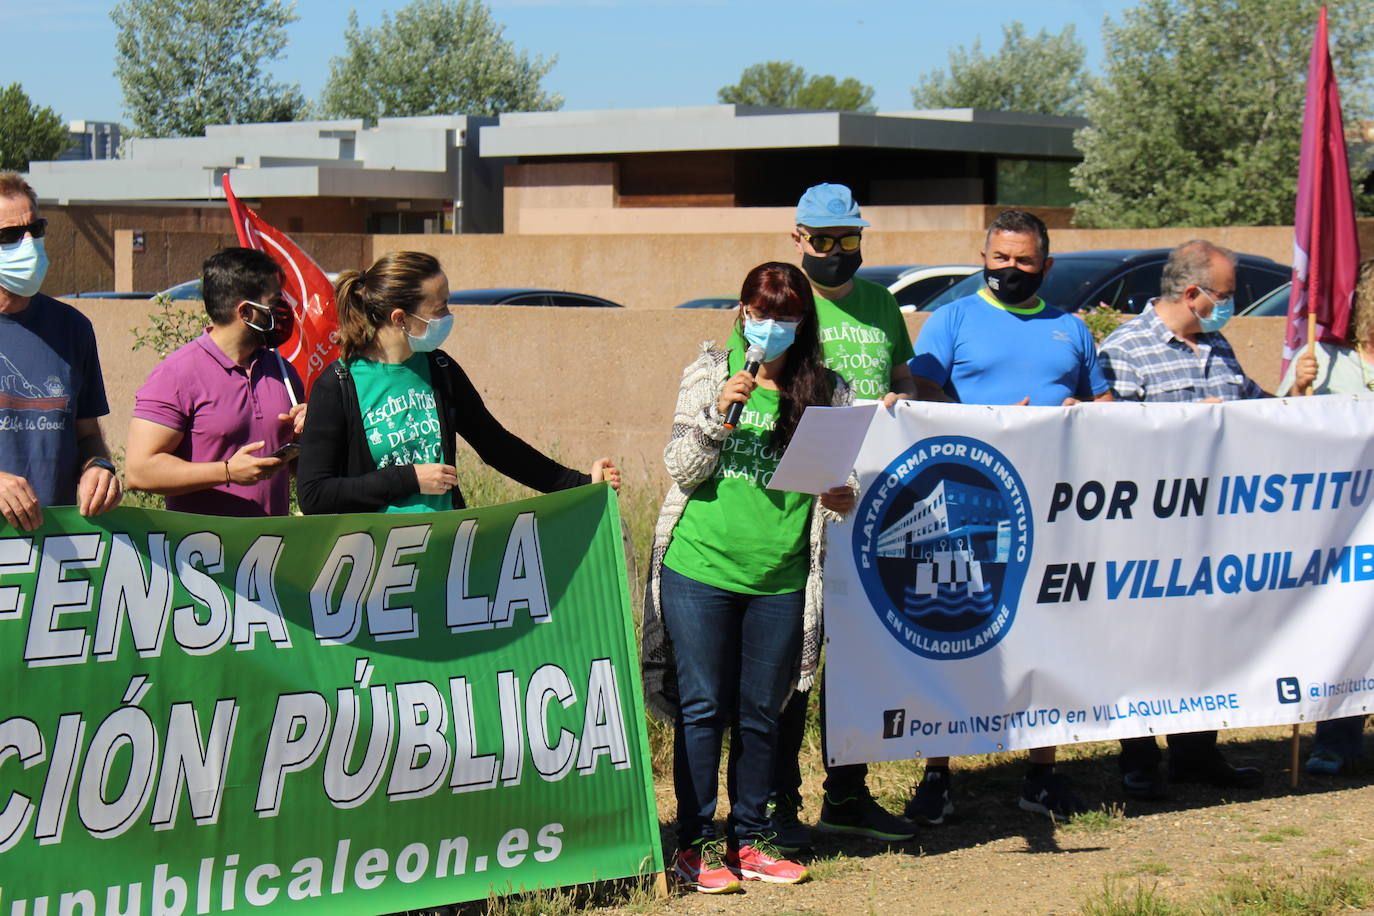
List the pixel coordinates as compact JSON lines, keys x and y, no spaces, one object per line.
{"x":23,"y":266}
{"x":436,"y":332}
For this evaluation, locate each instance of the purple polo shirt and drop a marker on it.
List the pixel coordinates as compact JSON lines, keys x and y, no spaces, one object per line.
{"x":219,"y":407}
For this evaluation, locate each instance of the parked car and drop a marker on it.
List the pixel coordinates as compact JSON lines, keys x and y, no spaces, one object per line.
{"x":1123,"y":279}
{"x":1274,"y":303}
{"x":105,"y":294}
{"x":710,"y":302}
{"x":522,"y":296}
{"x":190,"y":289}
{"x":913,"y":285}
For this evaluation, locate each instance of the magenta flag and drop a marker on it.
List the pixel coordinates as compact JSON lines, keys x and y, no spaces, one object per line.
{"x":1326,"y":250}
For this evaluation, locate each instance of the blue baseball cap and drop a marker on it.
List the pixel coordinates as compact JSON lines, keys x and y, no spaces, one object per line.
{"x":826,"y":205}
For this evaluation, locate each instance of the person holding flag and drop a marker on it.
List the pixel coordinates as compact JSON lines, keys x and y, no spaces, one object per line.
{"x":1330,"y":310}
{"x":1339,"y":369}
{"x":213,"y":424}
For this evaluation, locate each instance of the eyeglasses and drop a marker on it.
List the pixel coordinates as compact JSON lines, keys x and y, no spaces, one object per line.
{"x":10,"y":235}
{"x":825,"y":243}
{"x":1215,"y":295}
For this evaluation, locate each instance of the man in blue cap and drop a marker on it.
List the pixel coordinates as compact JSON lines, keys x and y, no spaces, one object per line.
{"x":865,"y":341}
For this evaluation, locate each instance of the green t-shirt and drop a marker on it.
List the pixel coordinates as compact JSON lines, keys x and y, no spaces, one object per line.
{"x":862,"y":337}
{"x":735,"y":533}
{"x":400,"y":421}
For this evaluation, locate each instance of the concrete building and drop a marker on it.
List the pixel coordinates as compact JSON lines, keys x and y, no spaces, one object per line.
{"x":659,"y":170}
{"x":414,"y":175}
{"x":740,"y":168}
{"x":92,"y":140}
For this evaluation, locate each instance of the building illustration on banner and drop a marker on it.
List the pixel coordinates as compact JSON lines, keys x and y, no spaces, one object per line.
{"x":949,"y":534}
{"x":944,"y":546}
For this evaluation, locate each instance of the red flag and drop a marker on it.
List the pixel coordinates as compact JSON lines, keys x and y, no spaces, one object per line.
{"x":1326,"y":250}
{"x":312,"y":344}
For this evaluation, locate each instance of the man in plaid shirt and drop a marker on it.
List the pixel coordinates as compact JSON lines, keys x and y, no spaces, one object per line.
{"x":1175,"y":351}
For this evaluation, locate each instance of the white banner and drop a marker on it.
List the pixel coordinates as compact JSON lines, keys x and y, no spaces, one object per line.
{"x":1014,"y":577}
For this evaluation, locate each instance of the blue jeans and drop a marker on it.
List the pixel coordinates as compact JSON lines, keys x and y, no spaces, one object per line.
{"x":736,"y":656}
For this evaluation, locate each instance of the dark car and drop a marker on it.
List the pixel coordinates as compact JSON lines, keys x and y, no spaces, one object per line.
{"x":105,"y":294}
{"x":523,"y":296}
{"x":1123,"y":279}
{"x":710,"y":302}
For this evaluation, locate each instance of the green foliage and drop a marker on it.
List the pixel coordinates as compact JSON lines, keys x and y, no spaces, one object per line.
{"x":184,"y":64}
{"x":1198,"y":119}
{"x":168,"y":327}
{"x":1042,"y":74}
{"x":437,"y":57}
{"x":1102,"y":320}
{"x":783,"y":84}
{"x":1097,"y":820}
{"x":27,"y":133}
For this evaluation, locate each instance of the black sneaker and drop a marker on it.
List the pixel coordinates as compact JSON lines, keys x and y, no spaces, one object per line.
{"x":930,"y":803}
{"x":1050,"y":795}
{"x":1214,"y":770}
{"x":1144,"y":783}
{"x":862,"y":816}
{"x":789,"y":833}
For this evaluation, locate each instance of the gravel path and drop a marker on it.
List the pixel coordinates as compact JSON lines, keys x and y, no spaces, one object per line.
{"x":995,"y":858}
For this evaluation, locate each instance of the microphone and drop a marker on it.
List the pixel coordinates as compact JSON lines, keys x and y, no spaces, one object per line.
{"x":753,"y":358}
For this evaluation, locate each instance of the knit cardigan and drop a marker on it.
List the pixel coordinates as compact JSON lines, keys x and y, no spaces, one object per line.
{"x":691,"y":457}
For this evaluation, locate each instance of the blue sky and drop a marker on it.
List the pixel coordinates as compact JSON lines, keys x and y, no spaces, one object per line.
{"x":611,"y":53}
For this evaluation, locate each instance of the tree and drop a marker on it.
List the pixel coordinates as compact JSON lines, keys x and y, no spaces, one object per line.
{"x":436,"y":57}
{"x":28,"y":133}
{"x":1198,"y":120}
{"x":184,"y":64}
{"x":1042,"y":74}
{"x":782,"y":84}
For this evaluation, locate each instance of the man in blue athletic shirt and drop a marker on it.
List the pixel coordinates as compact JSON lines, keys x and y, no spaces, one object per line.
{"x":1006,"y":345}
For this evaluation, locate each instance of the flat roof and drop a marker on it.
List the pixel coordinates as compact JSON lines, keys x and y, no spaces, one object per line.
{"x":741,"y":127}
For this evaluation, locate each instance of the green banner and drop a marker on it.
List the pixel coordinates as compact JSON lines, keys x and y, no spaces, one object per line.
{"x":333,"y":714}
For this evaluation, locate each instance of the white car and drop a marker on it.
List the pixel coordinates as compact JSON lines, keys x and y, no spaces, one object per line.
{"x":914,"y":285}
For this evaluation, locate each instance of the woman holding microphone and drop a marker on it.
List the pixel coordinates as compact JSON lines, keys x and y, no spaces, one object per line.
{"x":735,"y":577}
{"x":379,"y":432}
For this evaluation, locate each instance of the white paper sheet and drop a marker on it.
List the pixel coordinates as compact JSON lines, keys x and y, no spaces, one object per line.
{"x":823,"y":448}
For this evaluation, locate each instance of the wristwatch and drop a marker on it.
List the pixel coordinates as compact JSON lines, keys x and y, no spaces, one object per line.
{"x":102,"y":463}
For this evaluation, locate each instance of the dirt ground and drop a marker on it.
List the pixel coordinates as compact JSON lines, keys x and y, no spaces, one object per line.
{"x":991,"y":857}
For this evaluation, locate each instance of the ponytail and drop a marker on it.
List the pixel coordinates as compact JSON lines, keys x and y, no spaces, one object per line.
{"x":365,"y":299}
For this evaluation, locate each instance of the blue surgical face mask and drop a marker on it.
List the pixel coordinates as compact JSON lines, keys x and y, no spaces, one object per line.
{"x":774,"y":336}
{"x":1221,"y":313}
{"x":23,"y":266}
{"x":436,"y":332}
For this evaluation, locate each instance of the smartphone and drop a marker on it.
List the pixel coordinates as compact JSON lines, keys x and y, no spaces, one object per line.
{"x":287,"y":452}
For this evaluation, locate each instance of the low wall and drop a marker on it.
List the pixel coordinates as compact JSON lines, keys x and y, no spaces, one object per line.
{"x":580,"y":382}
{"x":648,"y":271}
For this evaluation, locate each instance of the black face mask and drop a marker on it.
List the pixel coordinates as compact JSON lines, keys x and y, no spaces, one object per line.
{"x":835,"y":270}
{"x":283,"y":323}
{"x":1012,"y":285}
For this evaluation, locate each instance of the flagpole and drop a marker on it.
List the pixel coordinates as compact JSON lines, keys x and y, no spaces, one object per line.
{"x":285,"y":377}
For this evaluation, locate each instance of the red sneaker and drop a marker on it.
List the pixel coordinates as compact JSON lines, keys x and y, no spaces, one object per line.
{"x":761,"y":862}
{"x":699,"y":868}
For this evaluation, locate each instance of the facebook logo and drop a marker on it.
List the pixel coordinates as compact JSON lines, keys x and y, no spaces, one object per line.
{"x":893,"y":720}
{"x":1289,"y":692}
